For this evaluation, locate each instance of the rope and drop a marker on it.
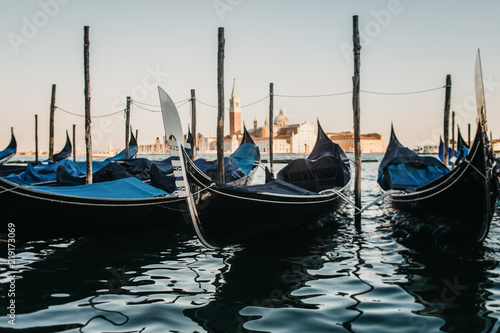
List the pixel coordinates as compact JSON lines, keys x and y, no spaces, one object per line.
{"x":473,"y":167}
{"x":147,"y":109}
{"x":153,"y":105}
{"x":243,"y":106}
{"x":79,"y":115}
{"x":401,"y":93}
{"x":204,"y":187}
{"x":366,"y":92}
{"x":383,"y":196}
{"x":307,"y":96}
{"x":260,"y":100}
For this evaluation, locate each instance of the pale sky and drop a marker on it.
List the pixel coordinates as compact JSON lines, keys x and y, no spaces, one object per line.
{"x":303,"y":47}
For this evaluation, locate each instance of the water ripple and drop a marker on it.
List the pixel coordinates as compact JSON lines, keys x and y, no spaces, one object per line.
{"x":336,"y":279}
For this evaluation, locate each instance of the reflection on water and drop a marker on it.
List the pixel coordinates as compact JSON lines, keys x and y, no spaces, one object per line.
{"x":331,"y":280}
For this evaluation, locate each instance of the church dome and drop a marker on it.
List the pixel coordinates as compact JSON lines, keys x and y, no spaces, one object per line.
{"x":280,"y":119}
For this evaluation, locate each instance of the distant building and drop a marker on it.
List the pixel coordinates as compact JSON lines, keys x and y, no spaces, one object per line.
{"x":234,"y":113}
{"x":496,"y":146}
{"x":158,"y":147}
{"x":294,"y":139}
{"x":427,"y":149}
{"x":287,"y":138}
{"x":370,"y":143}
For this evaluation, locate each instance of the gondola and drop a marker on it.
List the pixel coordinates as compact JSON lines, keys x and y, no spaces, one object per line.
{"x":459,"y":154}
{"x":6,"y":155}
{"x":447,"y":205}
{"x":10,"y":150}
{"x":304,"y":192}
{"x":65,"y":152}
{"x":462,"y":148}
{"x":45,"y":172}
{"x":117,"y":204}
{"x":456,"y":204}
{"x":6,"y":170}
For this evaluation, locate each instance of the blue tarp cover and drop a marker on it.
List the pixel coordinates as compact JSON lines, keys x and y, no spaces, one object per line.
{"x":96,"y":165}
{"x":232,"y":171}
{"x":7,"y":152}
{"x":42,"y":172}
{"x":10,"y":150}
{"x":125,"y":188}
{"x":245,"y":156}
{"x":403,"y":169}
{"x":405,"y":176}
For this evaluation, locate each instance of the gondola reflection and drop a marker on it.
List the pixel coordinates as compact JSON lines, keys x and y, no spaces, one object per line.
{"x":281,"y":277}
{"x":452,"y":286}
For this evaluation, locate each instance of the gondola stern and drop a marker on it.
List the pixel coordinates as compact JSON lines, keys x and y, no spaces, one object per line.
{"x":13,"y":142}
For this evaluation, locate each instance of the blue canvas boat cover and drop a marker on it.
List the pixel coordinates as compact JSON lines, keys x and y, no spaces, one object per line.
{"x":411,"y":174}
{"x":165,"y":166}
{"x":403,"y":169}
{"x":236,"y":166}
{"x":42,"y":172}
{"x":139,"y":168}
{"x":231,"y":168}
{"x":126,"y":188}
{"x":245,"y":156}
{"x":98,"y":165}
{"x":7,"y":152}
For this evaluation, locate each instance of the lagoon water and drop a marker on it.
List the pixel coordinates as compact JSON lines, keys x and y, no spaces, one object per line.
{"x":337,"y":279}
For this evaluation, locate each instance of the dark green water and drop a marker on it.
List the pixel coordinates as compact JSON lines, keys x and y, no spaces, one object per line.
{"x":334,"y":280}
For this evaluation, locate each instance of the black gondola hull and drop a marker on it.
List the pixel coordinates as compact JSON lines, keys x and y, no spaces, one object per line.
{"x":457,"y":207}
{"x":37,"y":214}
{"x":230,"y":216}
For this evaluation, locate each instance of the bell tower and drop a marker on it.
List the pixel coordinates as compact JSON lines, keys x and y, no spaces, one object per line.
{"x":234,"y":112}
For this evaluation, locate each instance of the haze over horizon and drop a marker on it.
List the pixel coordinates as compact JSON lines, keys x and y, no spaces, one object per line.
{"x":303,"y":47}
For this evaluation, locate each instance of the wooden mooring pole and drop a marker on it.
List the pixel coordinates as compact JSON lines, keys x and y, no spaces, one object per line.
{"x":452,"y":133}
{"x":74,"y":142}
{"x":220,"y":113}
{"x":446,"y":124}
{"x":51,"y":122}
{"x":193,"y":123}
{"x":88,"y":123}
{"x":271,"y":123}
{"x":356,"y":111}
{"x":468,"y":134}
{"x":127,"y":127}
{"x":36,"y":138}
